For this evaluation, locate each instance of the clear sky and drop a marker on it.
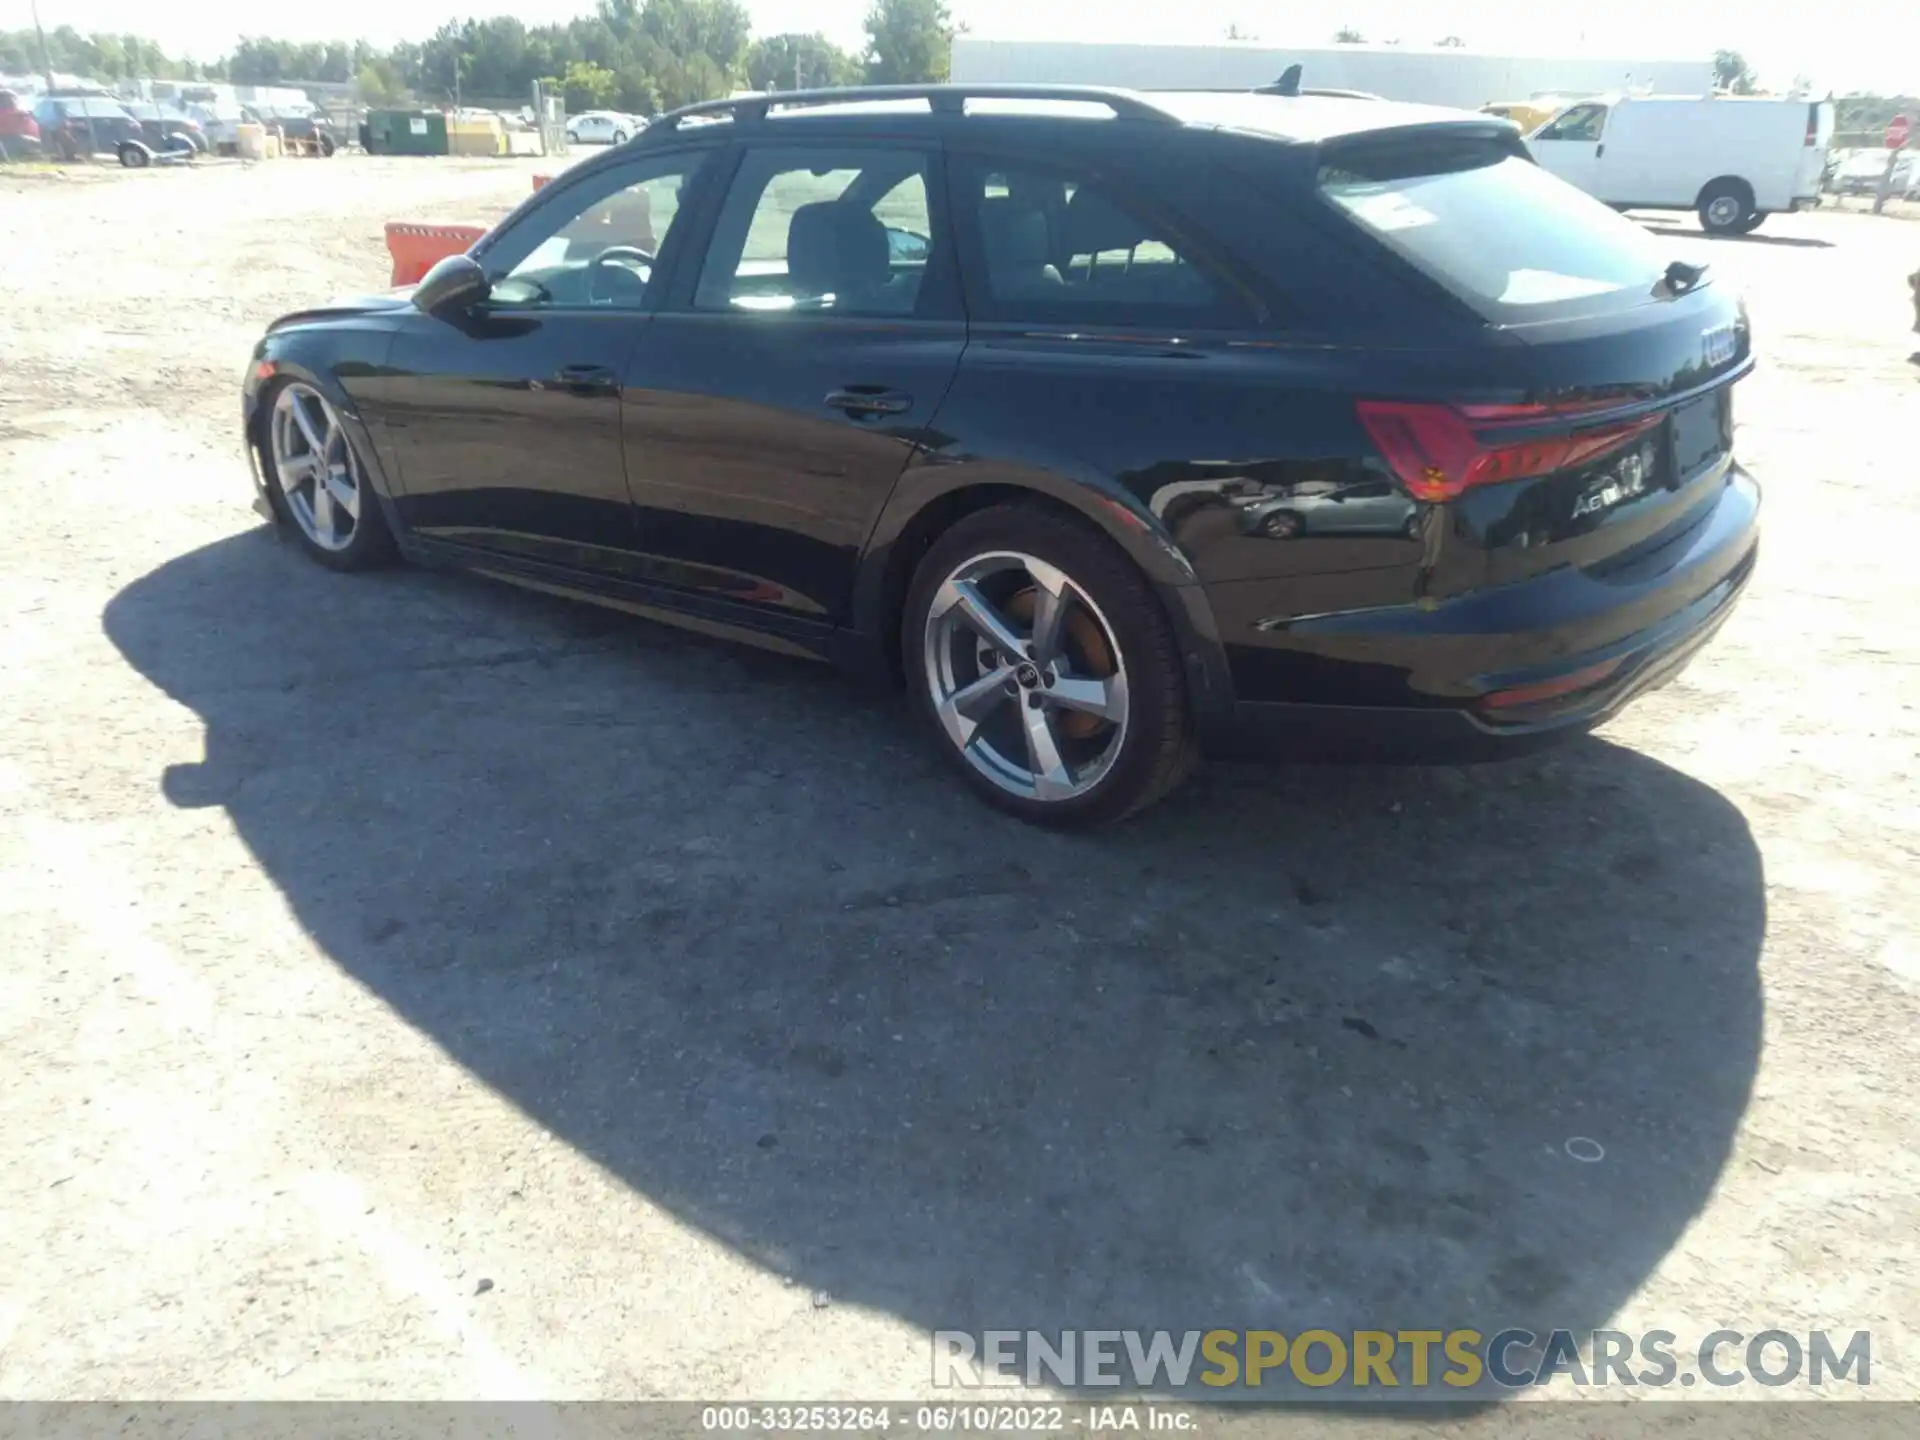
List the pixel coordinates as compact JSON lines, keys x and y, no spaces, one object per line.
{"x":1841,"y":44}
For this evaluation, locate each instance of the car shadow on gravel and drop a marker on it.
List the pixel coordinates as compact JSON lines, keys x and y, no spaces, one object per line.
{"x":1348,"y":1048}
{"x":1791,"y":242}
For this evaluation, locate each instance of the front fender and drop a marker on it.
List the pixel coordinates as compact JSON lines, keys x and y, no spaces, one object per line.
{"x":330,"y":361}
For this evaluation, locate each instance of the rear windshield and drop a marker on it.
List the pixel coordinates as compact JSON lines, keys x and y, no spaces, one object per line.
{"x":1494,"y":228}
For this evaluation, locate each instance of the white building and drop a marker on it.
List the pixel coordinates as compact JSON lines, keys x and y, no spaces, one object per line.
{"x":1467,"y":79}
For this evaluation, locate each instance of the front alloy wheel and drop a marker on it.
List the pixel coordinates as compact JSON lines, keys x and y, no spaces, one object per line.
{"x":320,"y":482}
{"x":316,"y":468}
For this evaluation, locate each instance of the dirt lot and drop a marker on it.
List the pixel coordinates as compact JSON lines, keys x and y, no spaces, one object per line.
{"x":416,"y":989}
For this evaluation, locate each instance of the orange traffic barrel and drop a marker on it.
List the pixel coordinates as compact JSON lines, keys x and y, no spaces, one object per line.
{"x":416,"y":249}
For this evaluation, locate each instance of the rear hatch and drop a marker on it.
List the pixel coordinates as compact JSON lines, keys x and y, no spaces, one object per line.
{"x":1619,"y":435}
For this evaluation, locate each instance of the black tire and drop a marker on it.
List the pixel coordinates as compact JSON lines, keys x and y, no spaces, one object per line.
{"x":134,"y":155}
{"x":327,"y":147}
{"x":1157,"y":746}
{"x":619,"y":137}
{"x":372,"y":544}
{"x":1281,"y":524}
{"x":1725,"y":206}
{"x":1753,"y":222}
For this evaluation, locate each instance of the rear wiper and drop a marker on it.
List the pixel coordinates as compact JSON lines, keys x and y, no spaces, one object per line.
{"x":1681,"y":277}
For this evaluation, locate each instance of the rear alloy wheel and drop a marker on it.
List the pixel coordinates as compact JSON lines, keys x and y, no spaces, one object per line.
{"x":1048,"y":671}
{"x":319,"y":483}
{"x":1724,"y":208}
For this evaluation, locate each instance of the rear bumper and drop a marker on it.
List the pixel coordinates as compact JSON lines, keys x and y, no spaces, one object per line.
{"x":1455,"y":735}
{"x":1496,"y":712}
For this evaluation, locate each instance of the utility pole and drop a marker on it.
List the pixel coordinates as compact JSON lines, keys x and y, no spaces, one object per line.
{"x":46,"y":61}
{"x":46,"y":68}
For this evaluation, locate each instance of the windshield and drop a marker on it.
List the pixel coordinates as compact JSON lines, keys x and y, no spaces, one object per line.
{"x":1494,"y":228}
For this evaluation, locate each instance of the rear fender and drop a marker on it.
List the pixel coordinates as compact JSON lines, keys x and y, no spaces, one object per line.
{"x":927,"y":487}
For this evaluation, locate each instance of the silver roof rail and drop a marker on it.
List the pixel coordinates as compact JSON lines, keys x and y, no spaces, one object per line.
{"x":946,"y":99}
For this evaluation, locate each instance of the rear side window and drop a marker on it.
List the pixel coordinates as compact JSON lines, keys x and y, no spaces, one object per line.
{"x":1502,"y":234}
{"x":1050,"y":245}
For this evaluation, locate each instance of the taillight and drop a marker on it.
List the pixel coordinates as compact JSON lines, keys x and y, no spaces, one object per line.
{"x":1439,"y":451}
{"x":1813,"y":125}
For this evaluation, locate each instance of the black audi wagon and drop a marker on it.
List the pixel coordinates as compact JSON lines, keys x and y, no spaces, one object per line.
{"x":1116,"y":427}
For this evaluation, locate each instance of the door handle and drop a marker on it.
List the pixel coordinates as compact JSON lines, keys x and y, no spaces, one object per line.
{"x":869,"y":400}
{"x":1599,"y":149}
{"x":587,"y":379}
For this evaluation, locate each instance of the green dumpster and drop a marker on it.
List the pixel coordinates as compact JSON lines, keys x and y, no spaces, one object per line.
{"x":406,"y":132}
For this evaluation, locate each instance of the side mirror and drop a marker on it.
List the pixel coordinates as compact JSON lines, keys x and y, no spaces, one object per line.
{"x":905,"y":247}
{"x":453,"y":284}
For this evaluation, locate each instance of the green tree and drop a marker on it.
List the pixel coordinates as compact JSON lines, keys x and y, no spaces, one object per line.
{"x":909,"y":42}
{"x":1453,"y":42}
{"x":1347,"y":35}
{"x":638,"y":92}
{"x":589,"y":86}
{"x":1731,"y":72}
{"x":788,"y":62}
{"x":112,"y":61}
{"x":380,"y":85}
{"x":690,"y":30}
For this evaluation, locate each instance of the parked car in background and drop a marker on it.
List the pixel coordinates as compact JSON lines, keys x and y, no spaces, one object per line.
{"x":166,"y":128}
{"x":75,"y":126}
{"x":305,"y":130}
{"x":1732,"y":160}
{"x":1483,"y":490}
{"x":1529,"y":115}
{"x":601,"y":127}
{"x":1861,"y":174}
{"x":1533,"y":112}
{"x":220,"y":123}
{"x":19,"y":131}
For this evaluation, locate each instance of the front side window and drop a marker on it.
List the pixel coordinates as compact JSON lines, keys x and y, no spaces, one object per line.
{"x":1055,"y":245}
{"x":597,"y":246}
{"x":1583,"y":122}
{"x":840,"y":232}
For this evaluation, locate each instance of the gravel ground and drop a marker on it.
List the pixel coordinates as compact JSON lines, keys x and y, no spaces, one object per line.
{"x":417,"y":989}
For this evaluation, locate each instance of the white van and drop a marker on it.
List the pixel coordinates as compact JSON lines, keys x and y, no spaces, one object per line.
{"x":1735,"y":160}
